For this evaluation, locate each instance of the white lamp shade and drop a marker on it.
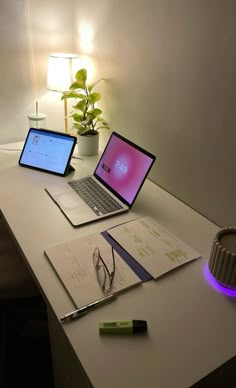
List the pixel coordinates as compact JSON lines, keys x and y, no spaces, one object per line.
{"x":61,"y":71}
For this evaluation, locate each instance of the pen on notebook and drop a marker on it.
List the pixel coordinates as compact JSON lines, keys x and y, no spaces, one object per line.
{"x":83,"y":310}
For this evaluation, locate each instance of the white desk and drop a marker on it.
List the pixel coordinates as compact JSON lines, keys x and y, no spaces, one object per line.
{"x":191,"y":327}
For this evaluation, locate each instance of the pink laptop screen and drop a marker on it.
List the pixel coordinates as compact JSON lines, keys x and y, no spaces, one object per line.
{"x":123,"y":167}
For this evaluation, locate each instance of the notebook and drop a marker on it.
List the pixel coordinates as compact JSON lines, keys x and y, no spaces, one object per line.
{"x":113,"y":187}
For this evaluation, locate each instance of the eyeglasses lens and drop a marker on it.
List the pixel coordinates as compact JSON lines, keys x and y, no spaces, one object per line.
{"x":103,"y":277}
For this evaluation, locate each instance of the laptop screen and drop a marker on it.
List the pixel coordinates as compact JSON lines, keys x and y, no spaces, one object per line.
{"x":124,"y":167}
{"x":47,"y":151}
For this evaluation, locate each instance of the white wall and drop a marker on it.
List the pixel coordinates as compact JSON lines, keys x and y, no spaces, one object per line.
{"x":170,"y":83}
{"x":15,"y":84}
{"x":29,"y":31}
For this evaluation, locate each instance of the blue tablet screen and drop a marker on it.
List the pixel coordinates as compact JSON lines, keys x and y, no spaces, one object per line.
{"x":47,"y":150}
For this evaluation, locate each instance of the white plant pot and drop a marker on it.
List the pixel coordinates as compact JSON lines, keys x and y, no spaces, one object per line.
{"x":88,"y":145}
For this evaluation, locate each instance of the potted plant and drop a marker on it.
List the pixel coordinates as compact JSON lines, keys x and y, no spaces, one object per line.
{"x":87,"y":119}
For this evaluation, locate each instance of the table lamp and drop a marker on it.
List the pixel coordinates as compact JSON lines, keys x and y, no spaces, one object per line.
{"x":61,"y":70}
{"x":222,"y":262}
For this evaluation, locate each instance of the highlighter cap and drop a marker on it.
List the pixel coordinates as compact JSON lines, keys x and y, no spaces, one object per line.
{"x":122,"y":327}
{"x":139,"y":326}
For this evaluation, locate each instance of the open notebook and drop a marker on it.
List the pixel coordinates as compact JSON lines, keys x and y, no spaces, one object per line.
{"x":113,"y":187}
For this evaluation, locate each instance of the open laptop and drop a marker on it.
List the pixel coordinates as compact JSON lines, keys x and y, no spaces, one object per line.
{"x":113,"y":187}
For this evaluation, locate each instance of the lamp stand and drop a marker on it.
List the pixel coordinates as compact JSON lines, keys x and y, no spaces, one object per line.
{"x":65,"y":113}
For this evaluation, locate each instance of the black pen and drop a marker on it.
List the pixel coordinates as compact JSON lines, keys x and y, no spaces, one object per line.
{"x":83,"y":310}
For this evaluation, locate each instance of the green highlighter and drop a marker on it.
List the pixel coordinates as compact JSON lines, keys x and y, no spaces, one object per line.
{"x":122,"y":327}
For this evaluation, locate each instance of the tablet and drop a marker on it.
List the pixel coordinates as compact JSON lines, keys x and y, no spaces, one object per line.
{"x":48,"y":151}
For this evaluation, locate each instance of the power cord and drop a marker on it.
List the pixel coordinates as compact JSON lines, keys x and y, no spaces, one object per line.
{"x":10,"y":149}
{"x":76,"y":157}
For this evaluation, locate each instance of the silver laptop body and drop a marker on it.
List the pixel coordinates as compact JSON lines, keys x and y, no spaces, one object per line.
{"x":113,"y":187}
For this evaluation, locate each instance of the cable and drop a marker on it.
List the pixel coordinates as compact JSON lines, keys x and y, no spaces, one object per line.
{"x":76,"y":157}
{"x":10,"y":149}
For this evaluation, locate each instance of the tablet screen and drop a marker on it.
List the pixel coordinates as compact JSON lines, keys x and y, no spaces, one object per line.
{"x":48,"y":151}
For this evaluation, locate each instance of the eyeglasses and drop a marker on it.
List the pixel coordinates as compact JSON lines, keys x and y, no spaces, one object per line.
{"x":104,"y":276}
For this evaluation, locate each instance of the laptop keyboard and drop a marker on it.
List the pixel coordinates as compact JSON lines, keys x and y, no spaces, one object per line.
{"x":93,"y":194}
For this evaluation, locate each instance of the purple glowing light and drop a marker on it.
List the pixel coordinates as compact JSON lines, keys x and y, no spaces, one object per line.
{"x":217,"y":286}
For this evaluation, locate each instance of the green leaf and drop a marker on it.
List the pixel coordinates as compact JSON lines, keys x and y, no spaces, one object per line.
{"x":95,"y":112}
{"x":75,"y":85}
{"x":90,"y":87}
{"x":94,"y":97}
{"x":79,"y":128}
{"x":77,"y":118}
{"x":70,"y":95}
{"x":88,"y":120}
{"x":103,"y":126}
{"x":82,"y":96}
{"x":81,"y":78}
{"x":102,"y":121}
{"x":81,"y":105}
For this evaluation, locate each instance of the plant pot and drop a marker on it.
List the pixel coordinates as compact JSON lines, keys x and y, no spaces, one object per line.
{"x":88,"y":145}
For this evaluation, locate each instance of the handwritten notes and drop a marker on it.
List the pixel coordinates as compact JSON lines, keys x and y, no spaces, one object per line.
{"x":73,"y":262}
{"x":152,"y":246}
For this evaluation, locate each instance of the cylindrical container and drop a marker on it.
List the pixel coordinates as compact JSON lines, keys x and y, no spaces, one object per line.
{"x":37,"y":120}
{"x":222,"y":261}
{"x":88,"y":145}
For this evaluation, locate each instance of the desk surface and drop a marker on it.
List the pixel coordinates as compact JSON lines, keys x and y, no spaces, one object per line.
{"x":191,"y":327}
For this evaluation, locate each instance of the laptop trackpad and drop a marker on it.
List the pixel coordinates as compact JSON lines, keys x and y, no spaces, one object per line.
{"x":69,"y":200}
{"x":74,"y":208}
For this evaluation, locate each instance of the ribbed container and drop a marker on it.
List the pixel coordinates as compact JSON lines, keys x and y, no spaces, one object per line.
{"x":88,"y":145}
{"x":222,"y":261}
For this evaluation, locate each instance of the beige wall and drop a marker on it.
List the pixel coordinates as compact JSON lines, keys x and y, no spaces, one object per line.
{"x":170,"y":83}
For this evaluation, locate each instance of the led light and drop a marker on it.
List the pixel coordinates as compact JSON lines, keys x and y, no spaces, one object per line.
{"x":217,"y":286}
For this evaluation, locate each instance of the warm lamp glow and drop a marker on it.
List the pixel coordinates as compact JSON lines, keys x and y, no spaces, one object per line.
{"x":61,"y":71}
{"x":86,"y":36}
